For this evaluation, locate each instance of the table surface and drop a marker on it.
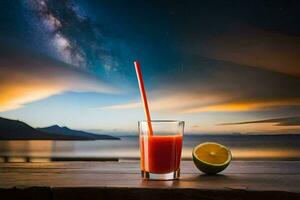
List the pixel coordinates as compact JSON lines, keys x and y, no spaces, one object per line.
{"x":241,"y":178}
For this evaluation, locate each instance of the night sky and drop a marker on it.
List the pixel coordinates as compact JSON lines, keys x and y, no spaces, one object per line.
{"x":222,"y":66}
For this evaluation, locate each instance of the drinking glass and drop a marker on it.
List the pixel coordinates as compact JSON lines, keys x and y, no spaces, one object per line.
{"x":161,"y":150}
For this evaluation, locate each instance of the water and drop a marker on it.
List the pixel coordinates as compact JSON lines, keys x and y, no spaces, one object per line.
{"x":282,"y":147}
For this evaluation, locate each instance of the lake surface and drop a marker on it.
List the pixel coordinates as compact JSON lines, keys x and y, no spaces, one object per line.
{"x":244,"y":147}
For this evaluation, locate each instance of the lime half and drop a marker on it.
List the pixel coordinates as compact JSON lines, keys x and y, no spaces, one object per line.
{"x":211,"y":157}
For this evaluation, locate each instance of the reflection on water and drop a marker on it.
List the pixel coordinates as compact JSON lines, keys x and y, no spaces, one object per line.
{"x":243,"y":147}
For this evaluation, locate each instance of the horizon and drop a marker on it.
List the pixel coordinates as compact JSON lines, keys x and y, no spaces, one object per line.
{"x":223,"y":70}
{"x":127,"y":133}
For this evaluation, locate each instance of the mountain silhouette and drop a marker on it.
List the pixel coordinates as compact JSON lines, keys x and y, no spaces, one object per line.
{"x":18,"y":130}
{"x":69,"y":132}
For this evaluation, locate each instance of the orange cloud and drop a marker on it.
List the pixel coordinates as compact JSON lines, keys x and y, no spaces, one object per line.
{"x":284,"y":121}
{"x":249,"y":128}
{"x":175,"y":103}
{"x":245,"y":105}
{"x":195,"y":103}
{"x":25,"y":78}
{"x":15,"y":96}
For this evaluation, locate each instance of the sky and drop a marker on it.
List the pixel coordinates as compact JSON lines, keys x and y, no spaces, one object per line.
{"x":221,"y":66}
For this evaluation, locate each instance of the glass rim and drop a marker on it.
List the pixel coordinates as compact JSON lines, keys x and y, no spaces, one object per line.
{"x":162,"y":121}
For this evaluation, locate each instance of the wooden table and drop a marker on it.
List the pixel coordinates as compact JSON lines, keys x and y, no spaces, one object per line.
{"x":121,"y":180}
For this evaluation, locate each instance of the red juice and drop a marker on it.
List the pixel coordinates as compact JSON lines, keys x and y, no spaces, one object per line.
{"x":160,"y":154}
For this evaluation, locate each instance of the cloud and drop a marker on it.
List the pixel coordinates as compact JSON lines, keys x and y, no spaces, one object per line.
{"x":251,"y":46}
{"x":123,"y":106}
{"x":246,"y":106}
{"x":196,"y":104}
{"x":168,"y":103}
{"x":286,"y":121}
{"x":26,"y":77}
{"x":208,"y":85}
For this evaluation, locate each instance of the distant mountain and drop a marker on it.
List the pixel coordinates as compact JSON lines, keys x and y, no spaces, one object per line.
{"x":69,"y":132}
{"x":17,"y":130}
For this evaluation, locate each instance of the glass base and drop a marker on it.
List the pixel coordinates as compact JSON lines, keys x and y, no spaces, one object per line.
{"x":167,"y":176}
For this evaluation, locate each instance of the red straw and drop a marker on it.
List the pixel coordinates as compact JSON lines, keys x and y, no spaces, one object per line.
{"x":143,"y":94}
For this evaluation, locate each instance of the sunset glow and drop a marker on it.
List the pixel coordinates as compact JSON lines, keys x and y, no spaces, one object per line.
{"x":70,"y":63}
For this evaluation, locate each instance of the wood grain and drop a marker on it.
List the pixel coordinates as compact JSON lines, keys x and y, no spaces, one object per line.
{"x":88,"y":180}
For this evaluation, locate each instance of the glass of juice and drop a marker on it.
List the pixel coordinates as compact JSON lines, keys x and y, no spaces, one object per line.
{"x":161,"y":149}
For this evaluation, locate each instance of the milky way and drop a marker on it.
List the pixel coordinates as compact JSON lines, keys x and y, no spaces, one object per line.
{"x":73,"y":37}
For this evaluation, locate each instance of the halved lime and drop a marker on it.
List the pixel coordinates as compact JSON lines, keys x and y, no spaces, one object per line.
{"x":211,"y":157}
